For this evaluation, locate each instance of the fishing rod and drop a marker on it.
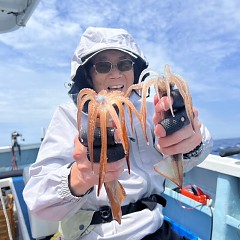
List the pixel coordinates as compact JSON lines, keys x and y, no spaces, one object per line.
{"x":229,"y":151}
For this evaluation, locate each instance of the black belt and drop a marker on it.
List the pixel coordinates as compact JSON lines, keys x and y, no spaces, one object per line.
{"x":104,"y":215}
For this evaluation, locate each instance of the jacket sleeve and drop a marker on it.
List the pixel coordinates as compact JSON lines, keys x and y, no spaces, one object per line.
{"x":207,"y":142}
{"x":47,"y":194}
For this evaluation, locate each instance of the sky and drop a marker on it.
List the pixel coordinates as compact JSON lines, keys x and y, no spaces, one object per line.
{"x":200,"y":40}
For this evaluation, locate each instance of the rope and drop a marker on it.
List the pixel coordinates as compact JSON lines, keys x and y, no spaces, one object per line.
{"x":6,"y":216}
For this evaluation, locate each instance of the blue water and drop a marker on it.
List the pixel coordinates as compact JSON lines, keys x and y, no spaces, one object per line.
{"x":221,"y":144}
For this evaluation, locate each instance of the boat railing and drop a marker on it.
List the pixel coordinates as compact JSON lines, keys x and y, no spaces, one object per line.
{"x":220,"y":218}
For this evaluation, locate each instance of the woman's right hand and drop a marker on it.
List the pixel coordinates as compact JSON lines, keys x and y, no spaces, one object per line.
{"x":83,"y":175}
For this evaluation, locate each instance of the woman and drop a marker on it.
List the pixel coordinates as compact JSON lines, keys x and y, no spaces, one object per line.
{"x":62,"y":176}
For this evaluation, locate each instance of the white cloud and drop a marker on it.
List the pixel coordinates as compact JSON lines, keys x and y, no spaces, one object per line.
{"x":200,"y":41}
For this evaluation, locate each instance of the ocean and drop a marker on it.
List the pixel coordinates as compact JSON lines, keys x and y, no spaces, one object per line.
{"x":227,"y":144}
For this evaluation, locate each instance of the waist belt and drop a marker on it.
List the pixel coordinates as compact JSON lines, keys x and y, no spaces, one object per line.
{"x":104,"y":215}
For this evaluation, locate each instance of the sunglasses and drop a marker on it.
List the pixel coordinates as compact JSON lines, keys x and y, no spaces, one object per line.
{"x":105,"y":66}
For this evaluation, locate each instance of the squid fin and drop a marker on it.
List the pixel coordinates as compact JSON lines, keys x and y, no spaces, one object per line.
{"x":116,"y":194}
{"x":171,"y":167}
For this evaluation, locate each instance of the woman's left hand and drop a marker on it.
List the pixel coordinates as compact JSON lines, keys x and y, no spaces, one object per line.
{"x":181,"y":141}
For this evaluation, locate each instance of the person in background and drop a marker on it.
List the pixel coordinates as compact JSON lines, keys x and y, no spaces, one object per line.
{"x":63,"y":187}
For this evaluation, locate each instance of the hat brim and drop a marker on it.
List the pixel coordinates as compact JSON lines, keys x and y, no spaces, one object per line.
{"x":90,"y":55}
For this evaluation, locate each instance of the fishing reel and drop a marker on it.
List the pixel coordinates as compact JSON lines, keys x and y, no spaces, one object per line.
{"x":15,"y":135}
{"x":115,"y":150}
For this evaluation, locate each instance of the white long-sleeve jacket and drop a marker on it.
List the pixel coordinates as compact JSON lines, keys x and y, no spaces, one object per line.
{"x":47,"y":193}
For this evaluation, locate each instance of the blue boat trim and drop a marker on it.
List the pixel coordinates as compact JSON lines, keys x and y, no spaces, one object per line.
{"x":180,"y":230}
{"x":19,"y":184}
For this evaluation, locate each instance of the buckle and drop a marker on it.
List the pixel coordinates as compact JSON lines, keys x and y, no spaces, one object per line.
{"x":105,"y":212}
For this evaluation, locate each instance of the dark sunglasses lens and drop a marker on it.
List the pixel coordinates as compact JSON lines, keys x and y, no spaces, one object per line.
{"x":125,"y":65}
{"x":103,"y":67}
